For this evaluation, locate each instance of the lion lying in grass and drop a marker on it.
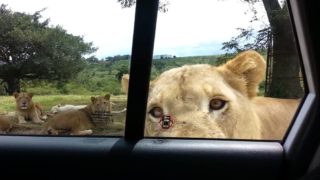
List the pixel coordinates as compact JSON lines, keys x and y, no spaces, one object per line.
{"x":216,"y":102}
{"x":79,"y":122}
{"x":26,"y":109}
{"x":66,"y":107}
{"x":7,"y":123}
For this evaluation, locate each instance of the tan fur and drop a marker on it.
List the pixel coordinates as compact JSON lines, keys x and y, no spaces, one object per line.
{"x":26,"y":109}
{"x":275,"y":115}
{"x":7,"y":124}
{"x":78,"y":122}
{"x":185,"y":93}
{"x":125,"y":83}
{"x":65,"y":107}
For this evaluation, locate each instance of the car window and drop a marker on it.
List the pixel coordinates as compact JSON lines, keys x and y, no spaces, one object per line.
{"x":232,"y":74}
{"x":61,"y":65}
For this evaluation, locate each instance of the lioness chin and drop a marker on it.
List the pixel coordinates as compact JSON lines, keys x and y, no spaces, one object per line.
{"x":216,"y":102}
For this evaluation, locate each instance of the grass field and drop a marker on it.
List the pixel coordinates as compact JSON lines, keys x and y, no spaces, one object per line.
{"x":7,"y":104}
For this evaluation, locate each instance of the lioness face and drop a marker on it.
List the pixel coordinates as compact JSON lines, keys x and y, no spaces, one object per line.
{"x":198,"y":100}
{"x":101,"y":104}
{"x":23,"y":100}
{"x":206,"y":101}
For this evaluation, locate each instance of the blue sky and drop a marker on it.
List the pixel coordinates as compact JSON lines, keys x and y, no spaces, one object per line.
{"x":189,"y":28}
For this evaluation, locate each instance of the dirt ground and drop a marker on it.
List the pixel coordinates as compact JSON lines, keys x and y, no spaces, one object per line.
{"x":110,"y":128}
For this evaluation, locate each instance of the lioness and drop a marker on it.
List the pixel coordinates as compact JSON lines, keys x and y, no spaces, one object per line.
{"x":65,"y":107}
{"x":125,"y":83}
{"x":26,"y":109}
{"x":218,"y":102}
{"x":7,"y":124}
{"x":78,"y":122}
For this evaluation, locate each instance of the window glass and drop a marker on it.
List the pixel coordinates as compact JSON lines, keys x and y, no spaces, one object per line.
{"x":66,"y":58}
{"x":224,"y":69}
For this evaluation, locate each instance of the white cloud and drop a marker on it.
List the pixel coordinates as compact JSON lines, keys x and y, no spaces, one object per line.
{"x":183,"y":30}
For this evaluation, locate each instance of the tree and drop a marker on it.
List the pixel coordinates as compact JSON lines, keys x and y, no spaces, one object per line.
{"x":122,"y":70}
{"x":159,"y":65}
{"x":285,"y":81}
{"x":30,"y":49}
{"x":92,"y":59}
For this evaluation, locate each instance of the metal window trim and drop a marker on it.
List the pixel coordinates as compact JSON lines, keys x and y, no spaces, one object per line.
{"x":299,"y":22}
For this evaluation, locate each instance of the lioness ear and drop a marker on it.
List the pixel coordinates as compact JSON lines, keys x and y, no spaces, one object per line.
{"x":107,"y":96}
{"x":30,"y":95}
{"x":125,"y":83}
{"x":15,"y":94}
{"x":93,"y":99}
{"x":249,"y":67}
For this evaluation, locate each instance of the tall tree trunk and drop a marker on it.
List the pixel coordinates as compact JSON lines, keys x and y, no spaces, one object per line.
{"x":285,"y":81}
{"x":13,"y":85}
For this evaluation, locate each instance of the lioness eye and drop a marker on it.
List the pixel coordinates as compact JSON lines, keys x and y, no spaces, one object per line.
{"x":156,"y":112}
{"x":216,"y":104}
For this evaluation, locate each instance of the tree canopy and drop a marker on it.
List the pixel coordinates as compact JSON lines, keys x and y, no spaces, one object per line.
{"x":284,"y":74}
{"x":31,"y":49}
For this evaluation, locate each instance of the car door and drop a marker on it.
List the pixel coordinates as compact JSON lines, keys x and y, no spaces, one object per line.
{"x":134,"y":156}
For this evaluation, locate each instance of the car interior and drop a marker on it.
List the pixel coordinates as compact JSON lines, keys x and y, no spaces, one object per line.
{"x":134,"y":156}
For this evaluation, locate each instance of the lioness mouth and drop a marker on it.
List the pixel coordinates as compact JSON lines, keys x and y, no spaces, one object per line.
{"x":23,"y":107}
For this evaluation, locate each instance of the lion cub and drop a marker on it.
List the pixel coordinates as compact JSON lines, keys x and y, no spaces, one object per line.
{"x":78,"y":122}
{"x":26,"y":109}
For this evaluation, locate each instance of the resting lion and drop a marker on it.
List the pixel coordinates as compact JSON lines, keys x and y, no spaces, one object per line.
{"x":66,"y":107}
{"x":216,"y":102}
{"x":26,"y":109}
{"x":7,"y":123}
{"x":78,"y":122}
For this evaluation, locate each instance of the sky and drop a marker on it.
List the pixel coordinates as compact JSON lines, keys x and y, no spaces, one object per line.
{"x":188,"y":28}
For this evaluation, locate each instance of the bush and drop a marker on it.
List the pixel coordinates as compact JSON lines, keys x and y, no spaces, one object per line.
{"x":43,"y":90}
